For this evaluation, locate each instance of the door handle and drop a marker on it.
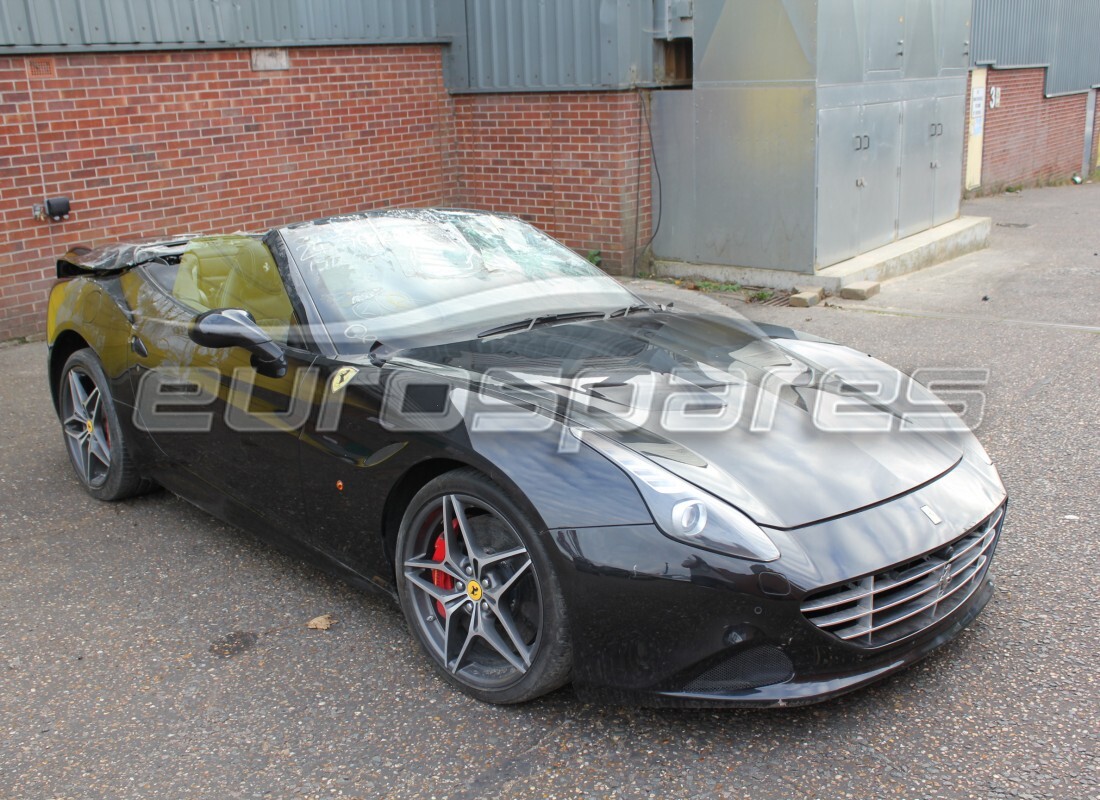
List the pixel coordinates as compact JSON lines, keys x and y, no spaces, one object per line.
{"x":866,"y":142}
{"x":859,"y":143}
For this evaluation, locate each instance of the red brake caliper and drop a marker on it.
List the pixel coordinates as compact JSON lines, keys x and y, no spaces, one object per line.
{"x":439,"y":577}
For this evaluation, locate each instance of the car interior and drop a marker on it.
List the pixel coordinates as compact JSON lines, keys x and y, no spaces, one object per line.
{"x":234,"y":272}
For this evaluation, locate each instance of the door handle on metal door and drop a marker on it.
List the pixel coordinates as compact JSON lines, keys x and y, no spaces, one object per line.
{"x":866,"y":142}
{"x":859,"y":143}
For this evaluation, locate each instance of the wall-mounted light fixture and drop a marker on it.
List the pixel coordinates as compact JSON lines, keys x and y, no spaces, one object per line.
{"x":55,"y":208}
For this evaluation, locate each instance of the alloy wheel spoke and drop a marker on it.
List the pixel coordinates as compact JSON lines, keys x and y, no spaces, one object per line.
{"x":92,"y":404}
{"x":75,"y":429}
{"x":458,"y":536}
{"x":496,"y":558}
{"x":77,"y":393}
{"x":490,"y":634}
{"x":447,"y":597}
{"x":97,"y":445}
{"x":440,"y":566}
{"x":451,"y":635}
{"x":498,"y":592}
{"x":86,"y":459}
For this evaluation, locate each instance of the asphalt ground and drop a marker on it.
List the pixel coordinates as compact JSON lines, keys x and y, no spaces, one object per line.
{"x":149,"y":651}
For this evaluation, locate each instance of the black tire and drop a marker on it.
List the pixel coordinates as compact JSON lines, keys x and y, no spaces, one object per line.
{"x":93,"y":437}
{"x":490,"y":616}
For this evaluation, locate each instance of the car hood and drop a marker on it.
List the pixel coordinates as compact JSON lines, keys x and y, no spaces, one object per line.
{"x":766,"y":445}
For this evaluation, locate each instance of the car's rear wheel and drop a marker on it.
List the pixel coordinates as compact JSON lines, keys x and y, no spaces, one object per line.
{"x":479,"y":593}
{"x":94,"y":438}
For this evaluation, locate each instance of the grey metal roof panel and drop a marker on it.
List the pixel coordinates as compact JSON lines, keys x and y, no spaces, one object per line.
{"x":76,"y":25}
{"x":1058,"y":34}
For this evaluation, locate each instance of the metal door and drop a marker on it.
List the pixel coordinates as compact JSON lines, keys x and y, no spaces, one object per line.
{"x":953,"y":35}
{"x":917,"y":185}
{"x":839,"y":143}
{"x":878,"y":204}
{"x":951,"y":117}
{"x":885,"y":34}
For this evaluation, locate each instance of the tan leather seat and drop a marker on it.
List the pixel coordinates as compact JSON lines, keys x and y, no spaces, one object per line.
{"x":186,"y":288}
{"x":204,"y":268}
{"x":253,"y":283}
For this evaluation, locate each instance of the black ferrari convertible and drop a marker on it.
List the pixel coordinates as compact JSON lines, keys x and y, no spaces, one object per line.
{"x":557,"y":481}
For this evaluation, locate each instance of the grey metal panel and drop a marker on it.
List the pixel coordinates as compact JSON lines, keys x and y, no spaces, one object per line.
{"x":673,"y":122}
{"x":1013,"y":33}
{"x":885,"y":35}
{"x":451,"y":24}
{"x":76,"y":25}
{"x":917,"y":183}
{"x":1075,"y":62}
{"x":754,"y":176}
{"x":673,"y":18}
{"x":922,"y":37}
{"x":888,"y":91}
{"x":755,"y":41}
{"x":553,"y":45}
{"x":840,"y":36}
{"x":878,"y":207}
{"x":951,"y":115}
{"x":1060,"y":34}
{"x":838,"y":194}
{"x":954,"y":35}
{"x":885,"y":40}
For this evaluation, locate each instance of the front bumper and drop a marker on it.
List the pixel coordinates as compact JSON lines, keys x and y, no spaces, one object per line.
{"x":657,"y":622}
{"x":806,"y":688}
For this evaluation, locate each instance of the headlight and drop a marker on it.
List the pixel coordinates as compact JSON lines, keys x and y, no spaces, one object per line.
{"x":683,"y":511}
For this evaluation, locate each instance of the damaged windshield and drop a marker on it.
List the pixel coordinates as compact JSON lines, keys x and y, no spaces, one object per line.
{"x":405,"y":275}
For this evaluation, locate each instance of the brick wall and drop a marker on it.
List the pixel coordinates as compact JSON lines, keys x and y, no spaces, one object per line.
{"x":1030,"y":139}
{"x":576,"y":165}
{"x":150,"y":144}
{"x":158,"y":143}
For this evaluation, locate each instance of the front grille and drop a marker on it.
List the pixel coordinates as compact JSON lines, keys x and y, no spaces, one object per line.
{"x":884,"y":608}
{"x":757,"y":666}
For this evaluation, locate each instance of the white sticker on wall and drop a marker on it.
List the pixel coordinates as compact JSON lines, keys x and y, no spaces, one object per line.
{"x":977,"y":110}
{"x":270,"y":58}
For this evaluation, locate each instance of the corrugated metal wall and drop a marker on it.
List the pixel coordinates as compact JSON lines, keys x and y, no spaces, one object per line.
{"x":497,"y":45}
{"x":65,"y":25}
{"x":508,"y":45}
{"x":1059,"y":34}
{"x":549,"y":44}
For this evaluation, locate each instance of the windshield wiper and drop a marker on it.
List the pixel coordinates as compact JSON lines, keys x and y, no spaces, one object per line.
{"x":548,"y":319}
{"x":622,"y":312}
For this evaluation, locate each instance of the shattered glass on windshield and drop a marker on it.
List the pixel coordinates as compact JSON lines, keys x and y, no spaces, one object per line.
{"x":395,"y":274}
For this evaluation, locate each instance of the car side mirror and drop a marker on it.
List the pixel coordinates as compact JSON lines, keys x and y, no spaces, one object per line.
{"x":235,"y":327}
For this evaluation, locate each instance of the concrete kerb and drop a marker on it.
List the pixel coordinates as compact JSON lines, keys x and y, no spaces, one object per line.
{"x":925,"y":249}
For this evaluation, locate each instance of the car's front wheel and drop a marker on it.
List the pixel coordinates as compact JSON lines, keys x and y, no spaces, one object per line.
{"x":93,"y":436}
{"x":479,"y":592}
